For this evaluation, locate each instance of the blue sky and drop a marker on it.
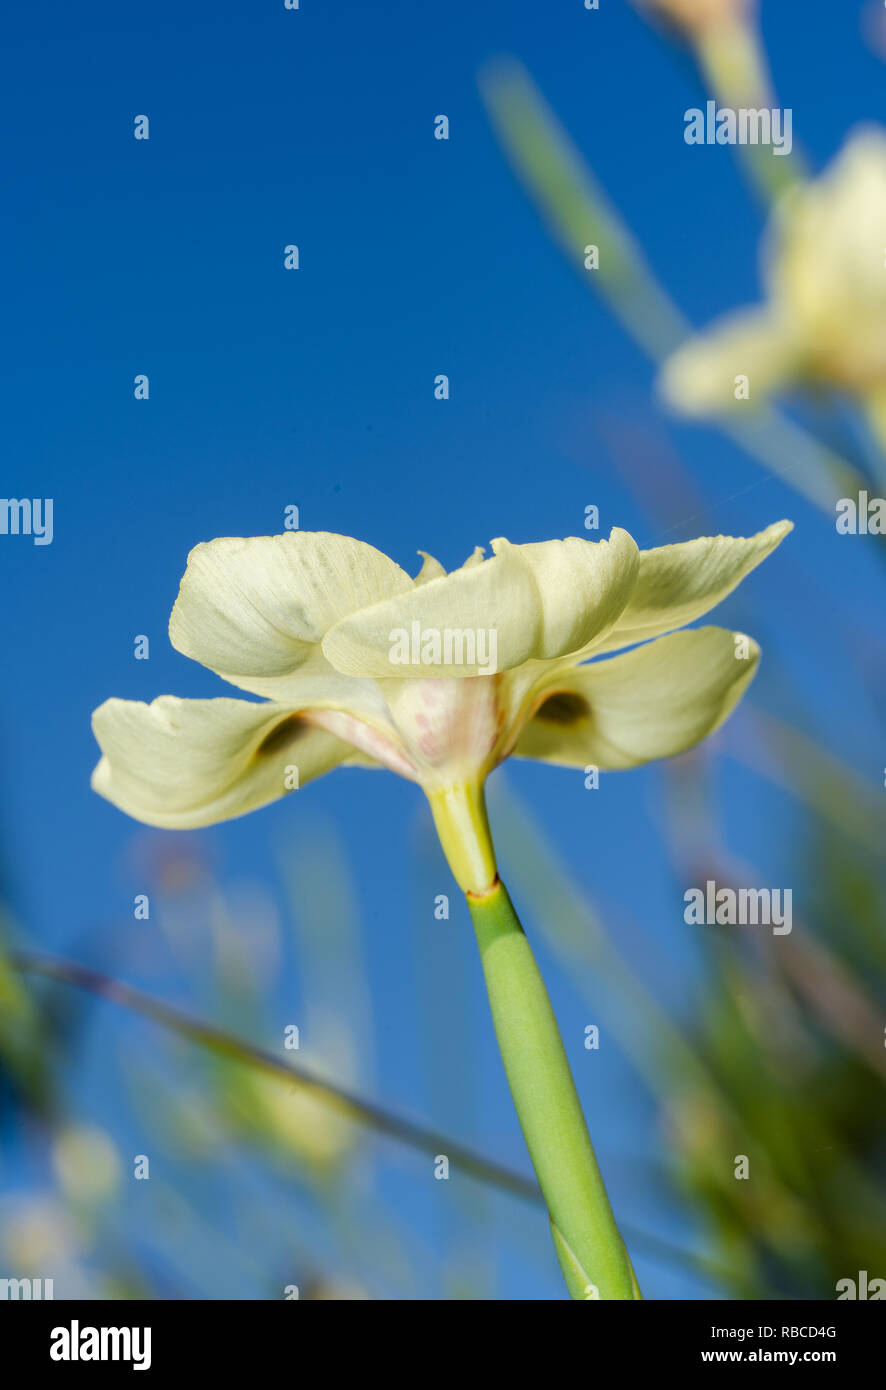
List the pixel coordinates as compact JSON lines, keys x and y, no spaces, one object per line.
{"x":315,"y":388}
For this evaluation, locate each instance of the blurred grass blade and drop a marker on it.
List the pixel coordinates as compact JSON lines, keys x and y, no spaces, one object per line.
{"x":576,"y":208}
{"x":792,"y":760}
{"x":223,"y":1044}
{"x":415,"y":1136}
{"x":23,"y":1043}
{"x":733,"y":63}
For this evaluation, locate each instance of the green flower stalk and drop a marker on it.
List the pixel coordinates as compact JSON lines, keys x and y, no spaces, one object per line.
{"x":439,"y":678}
{"x":697,"y":17}
{"x":589,"y":1247}
{"x":728,"y":47}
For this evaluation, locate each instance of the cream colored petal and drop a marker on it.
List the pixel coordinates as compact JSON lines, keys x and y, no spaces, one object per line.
{"x":475,"y":621}
{"x":825,"y":264}
{"x":475,"y":558}
{"x":706,"y":375}
{"x":431,"y":568}
{"x":679,"y":583}
{"x":256,"y":610}
{"x":650,"y":703}
{"x":185,"y":763}
{"x":583,"y":587}
{"x":351,"y":709}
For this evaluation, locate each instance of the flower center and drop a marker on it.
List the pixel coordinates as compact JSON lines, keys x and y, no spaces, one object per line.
{"x":449,"y":726}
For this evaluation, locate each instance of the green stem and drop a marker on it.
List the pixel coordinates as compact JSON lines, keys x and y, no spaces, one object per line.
{"x":590,"y":1249}
{"x":733,"y":61}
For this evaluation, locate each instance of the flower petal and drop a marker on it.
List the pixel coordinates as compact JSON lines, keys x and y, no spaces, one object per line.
{"x":185,"y":763}
{"x":825,"y":264}
{"x":678,"y":583}
{"x":476,"y":557}
{"x":256,"y":610}
{"x":583,"y":586}
{"x":700,"y":377}
{"x":650,"y":703}
{"x":491,"y":611}
{"x":431,"y":568}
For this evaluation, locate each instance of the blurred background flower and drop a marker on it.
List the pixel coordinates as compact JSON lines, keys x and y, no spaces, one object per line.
{"x":824,"y":322}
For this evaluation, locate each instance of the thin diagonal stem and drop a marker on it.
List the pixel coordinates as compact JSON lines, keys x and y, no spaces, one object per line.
{"x":223,"y":1044}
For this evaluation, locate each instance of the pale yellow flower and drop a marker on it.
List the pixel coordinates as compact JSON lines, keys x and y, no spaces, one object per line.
{"x":438,"y":678}
{"x":825,"y":315}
